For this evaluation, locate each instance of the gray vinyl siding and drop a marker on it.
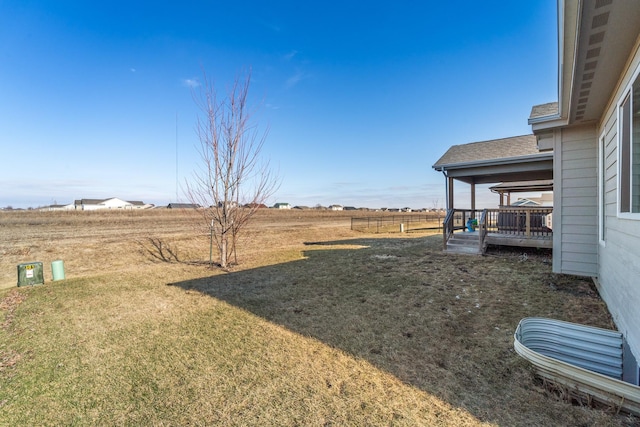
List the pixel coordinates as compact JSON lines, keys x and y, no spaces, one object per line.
{"x":576,"y":204}
{"x":619,"y":253}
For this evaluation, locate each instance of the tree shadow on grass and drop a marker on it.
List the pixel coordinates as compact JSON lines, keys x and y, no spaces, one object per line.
{"x":442,"y":323}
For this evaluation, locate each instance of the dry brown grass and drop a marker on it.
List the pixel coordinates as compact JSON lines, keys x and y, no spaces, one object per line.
{"x":318,"y":326}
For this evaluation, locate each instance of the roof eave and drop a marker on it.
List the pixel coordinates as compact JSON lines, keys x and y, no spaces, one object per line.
{"x":547,"y":122}
{"x":496,"y":162}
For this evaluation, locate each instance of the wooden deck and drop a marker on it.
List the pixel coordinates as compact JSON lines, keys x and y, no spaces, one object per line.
{"x":521,"y":227}
{"x":519,"y":240}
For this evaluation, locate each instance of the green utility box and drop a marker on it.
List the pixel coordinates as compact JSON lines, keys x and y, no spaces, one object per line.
{"x":30,"y":273}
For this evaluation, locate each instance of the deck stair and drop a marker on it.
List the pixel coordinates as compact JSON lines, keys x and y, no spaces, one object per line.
{"x":464,"y":243}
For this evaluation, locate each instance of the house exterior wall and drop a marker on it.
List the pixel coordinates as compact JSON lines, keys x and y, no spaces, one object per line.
{"x":91,"y":207}
{"x":115,"y":203}
{"x":619,"y":239}
{"x":575,"y":222}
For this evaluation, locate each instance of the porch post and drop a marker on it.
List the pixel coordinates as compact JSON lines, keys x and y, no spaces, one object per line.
{"x":473,"y":198}
{"x":450,"y":195}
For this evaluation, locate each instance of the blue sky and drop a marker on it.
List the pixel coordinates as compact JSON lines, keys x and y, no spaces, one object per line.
{"x":360,"y":98}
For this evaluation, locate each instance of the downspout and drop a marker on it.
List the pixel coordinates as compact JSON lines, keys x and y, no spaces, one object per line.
{"x":446,"y":188}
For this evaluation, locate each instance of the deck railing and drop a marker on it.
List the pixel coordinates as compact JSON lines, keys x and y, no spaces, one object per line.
{"x":456,"y":219}
{"x":482,"y":230}
{"x":527,"y":222}
{"x":522,"y":222}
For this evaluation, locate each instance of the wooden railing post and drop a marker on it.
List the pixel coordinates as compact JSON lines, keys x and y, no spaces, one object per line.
{"x":482,"y":230}
{"x":527,"y":226}
{"x":447,"y":227}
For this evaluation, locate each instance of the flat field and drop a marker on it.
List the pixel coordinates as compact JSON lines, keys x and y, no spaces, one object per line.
{"x":318,"y":325}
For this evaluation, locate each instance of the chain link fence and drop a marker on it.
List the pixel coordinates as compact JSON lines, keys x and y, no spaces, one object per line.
{"x":399,"y":223}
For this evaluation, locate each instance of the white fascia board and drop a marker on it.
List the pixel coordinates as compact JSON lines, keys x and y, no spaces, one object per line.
{"x":548,"y":122}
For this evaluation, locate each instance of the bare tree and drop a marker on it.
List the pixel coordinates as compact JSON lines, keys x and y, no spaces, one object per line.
{"x":233,"y":180}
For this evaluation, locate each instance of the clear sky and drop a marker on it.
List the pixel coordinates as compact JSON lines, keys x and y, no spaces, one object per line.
{"x":360,"y":98}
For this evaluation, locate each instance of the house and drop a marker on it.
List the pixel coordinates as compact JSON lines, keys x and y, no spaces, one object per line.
{"x":282,"y":206}
{"x":57,"y":207}
{"x":112,"y":203}
{"x":592,"y":130}
{"x":584,"y":149}
{"x":183,"y":206}
{"x":229,"y":205}
{"x":336,"y":207}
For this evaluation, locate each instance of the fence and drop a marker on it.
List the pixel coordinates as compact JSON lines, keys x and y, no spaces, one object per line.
{"x":398,"y":223}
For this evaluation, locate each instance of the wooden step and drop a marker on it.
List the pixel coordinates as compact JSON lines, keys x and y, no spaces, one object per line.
{"x":464,"y":243}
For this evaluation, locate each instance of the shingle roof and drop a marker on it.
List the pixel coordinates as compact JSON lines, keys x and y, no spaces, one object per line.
{"x":89,"y":201}
{"x":182,"y":206}
{"x":516,"y":146}
{"x":544,"y":110}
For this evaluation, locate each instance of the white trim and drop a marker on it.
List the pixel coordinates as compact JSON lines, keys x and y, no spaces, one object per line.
{"x":556,"y":254}
{"x":627,"y":92}
{"x":602,"y":146}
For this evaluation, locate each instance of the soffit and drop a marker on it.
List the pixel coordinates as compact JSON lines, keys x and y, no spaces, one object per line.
{"x":606,"y":33}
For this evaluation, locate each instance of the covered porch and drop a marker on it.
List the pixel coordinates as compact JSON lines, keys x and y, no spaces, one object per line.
{"x":515,"y":165}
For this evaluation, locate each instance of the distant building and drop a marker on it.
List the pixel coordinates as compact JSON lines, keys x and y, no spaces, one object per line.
{"x":112,"y":203}
{"x":336,"y":207}
{"x":68,"y":207}
{"x":230,"y":205}
{"x":282,"y":206}
{"x":183,"y":206}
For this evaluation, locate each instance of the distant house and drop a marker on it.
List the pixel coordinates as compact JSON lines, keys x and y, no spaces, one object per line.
{"x":182,"y":206}
{"x":336,"y":207}
{"x":112,"y":203}
{"x":543,"y":200}
{"x":230,"y":205}
{"x":68,"y":207}
{"x":256,"y":205}
{"x":282,"y":206}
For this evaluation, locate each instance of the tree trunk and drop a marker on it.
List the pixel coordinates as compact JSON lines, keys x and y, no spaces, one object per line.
{"x":223,"y":252}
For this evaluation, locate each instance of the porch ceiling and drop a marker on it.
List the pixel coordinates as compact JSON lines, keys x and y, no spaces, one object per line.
{"x":523,"y":186}
{"x":491,"y":174}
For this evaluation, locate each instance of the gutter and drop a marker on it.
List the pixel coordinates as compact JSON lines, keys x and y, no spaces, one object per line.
{"x":446,"y":187}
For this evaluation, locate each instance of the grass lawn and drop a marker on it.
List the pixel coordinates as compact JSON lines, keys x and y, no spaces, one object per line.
{"x":319,"y":325}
